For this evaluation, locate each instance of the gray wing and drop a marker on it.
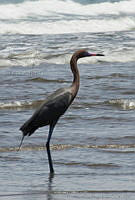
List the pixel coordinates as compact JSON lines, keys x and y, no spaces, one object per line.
{"x":54,"y":106}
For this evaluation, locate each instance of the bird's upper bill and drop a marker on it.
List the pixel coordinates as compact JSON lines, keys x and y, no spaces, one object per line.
{"x":95,"y":54}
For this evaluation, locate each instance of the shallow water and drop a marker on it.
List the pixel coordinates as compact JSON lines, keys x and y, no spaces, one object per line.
{"x":93,"y":144}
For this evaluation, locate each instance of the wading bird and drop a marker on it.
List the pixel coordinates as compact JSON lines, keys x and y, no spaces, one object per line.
{"x":55,"y":105}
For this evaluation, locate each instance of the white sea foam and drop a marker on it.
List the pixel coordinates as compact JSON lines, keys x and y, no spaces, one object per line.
{"x":59,"y":7}
{"x":126,"y":104}
{"x":121,"y":56}
{"x":36,"y":58}
{"x":12,"y":105}
{"x":58,"y":17}
{"x":74,"y":26}
{"x":16,"y":105}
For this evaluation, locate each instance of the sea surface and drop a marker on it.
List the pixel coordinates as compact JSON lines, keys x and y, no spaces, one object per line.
{"x":93,"y":144}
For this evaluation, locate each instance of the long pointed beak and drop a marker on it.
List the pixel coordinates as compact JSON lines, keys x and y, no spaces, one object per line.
{"x":96,"y":54}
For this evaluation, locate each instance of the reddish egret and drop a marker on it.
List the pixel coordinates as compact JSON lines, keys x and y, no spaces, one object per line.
{"x":55,"y":105}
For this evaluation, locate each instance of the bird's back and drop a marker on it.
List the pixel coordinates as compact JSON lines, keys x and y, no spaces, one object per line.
{"x":53,"y":107}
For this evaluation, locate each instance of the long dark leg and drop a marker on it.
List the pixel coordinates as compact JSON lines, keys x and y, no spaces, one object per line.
{"x":48,"y":147}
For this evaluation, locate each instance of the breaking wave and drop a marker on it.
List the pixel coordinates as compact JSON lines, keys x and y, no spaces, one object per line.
{"x":126,"y":104}
{"x":59,"y":17}
{"x":18,"y":105}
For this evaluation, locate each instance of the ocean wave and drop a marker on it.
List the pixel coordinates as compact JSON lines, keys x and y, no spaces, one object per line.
{"x":126,"y":104}
{"x":108,"y":147}
{"x":66,"y":27}
{"x":26,"y":58}
{"x":60,"y":17}
{"x":19,"y":105}
{"x":58,"y":8}
{"x":35,"y":58}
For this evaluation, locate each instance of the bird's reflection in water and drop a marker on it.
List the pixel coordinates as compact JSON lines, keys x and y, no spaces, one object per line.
{"x":50,"y":181}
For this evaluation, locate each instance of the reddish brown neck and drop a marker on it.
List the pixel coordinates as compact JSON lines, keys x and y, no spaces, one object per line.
{"x":76,"y":76}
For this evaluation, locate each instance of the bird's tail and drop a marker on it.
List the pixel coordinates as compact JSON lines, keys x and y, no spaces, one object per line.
{"x":21,"y":142}
{"x":27,"y":129}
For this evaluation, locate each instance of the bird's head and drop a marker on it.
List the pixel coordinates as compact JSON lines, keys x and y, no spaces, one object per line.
{"x":84,"y":53}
